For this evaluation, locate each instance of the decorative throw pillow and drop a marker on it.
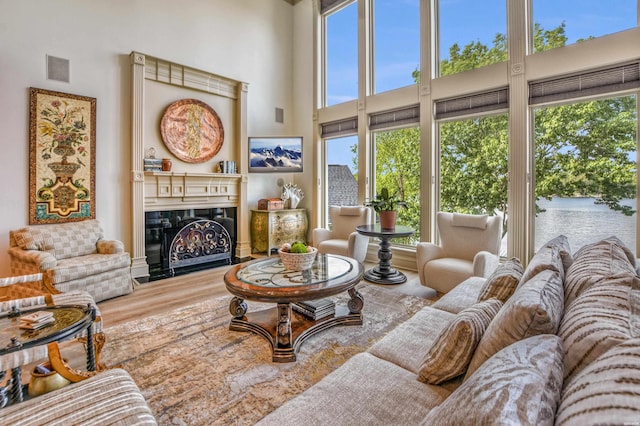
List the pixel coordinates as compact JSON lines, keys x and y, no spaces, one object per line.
{"x":535,"y":308}
{"x":453,"y":348}
{"x":518,"y":385}
{"x":605,"y":392}
{"x":546,"y":258}
{"x":503,"y":282}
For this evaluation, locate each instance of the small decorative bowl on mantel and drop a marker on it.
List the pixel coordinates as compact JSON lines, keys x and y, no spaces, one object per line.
{"x":298,"y":261}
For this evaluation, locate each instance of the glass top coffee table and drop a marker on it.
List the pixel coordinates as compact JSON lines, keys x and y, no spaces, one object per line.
{"x":267,"y":280}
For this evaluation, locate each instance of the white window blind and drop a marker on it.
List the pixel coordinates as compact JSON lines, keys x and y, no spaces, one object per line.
{"x":609,"y":80}
{"x":348,"y":126}
{"x":327,"y":6}
{"x":473,"y":104}
{"x":397,"y":117}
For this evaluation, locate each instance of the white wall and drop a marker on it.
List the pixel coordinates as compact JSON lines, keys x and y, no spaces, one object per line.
{"x":246,"y":40}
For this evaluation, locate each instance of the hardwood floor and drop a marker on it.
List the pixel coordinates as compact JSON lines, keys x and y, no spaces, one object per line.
{"x":165,"y":295}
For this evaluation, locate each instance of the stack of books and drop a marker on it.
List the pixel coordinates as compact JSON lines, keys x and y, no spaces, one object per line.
{"x":36,"y":320}
{"x":153,"y":164}
{"x":316,"y":309}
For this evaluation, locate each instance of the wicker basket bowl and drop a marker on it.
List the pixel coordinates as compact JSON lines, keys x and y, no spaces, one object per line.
{"x":298,"y":261}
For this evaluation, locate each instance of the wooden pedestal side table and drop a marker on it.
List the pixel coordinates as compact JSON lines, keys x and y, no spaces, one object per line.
{"x":267,"y":280}
{"x":68,"y":322}
{"x":384,"y":273}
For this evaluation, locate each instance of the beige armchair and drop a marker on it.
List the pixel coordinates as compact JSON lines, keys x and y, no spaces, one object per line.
{"x":470,"y":246}
{"x":342,"y":238}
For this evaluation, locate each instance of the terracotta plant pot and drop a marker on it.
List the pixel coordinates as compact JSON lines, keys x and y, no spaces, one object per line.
{"x":388,"y":219}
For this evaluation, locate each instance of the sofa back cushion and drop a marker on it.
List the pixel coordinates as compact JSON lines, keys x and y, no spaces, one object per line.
{"x":605,"y":392}
{"x":518,"y":385}
{"x":535,"y":308}
{"x":64,"y":240}
{"x":453,"y":348}
{"x":503,"y":281}
{"x":593,"y":323}
{"x":596,"y":262}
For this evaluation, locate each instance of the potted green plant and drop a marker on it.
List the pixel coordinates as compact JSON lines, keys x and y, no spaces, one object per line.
{"x":386,"y":205}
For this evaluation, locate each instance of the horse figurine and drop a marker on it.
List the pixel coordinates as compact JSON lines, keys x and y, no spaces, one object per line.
{"x":292,"y":193}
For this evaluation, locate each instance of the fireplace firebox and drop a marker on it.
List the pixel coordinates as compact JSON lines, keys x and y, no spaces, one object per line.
{"x":182,"y":241}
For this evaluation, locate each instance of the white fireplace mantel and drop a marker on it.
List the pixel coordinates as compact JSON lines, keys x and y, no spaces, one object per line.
{"x":175,"y":191}
{"x":153,"y":191}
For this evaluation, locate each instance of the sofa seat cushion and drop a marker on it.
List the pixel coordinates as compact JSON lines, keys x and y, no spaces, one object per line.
{"x":365,"y":390}
{"x":461,"y":296}
{"x":519,"y":385}
{"x":592,"y":263}
{"x":449,"y":270}
{"x":607,"y":392}
{"x":110,"y":397}
{"x":407,"y":344}
{"x":83,"y":266}
{"x":502,"y":283}
{"x":593,"y":323}
{"x":453,"y":348}
{"x":535,"y":308}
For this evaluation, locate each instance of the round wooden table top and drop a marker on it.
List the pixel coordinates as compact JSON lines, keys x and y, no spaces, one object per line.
{"x":375,"y":230}
{"x":267,"y":280}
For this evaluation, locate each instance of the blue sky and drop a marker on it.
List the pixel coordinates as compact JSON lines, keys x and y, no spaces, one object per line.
{"x":462,"y":22}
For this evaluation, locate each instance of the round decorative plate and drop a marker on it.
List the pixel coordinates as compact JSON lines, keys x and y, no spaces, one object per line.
{"x":192,"y":130}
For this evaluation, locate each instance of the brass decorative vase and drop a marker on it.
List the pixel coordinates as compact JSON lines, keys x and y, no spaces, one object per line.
{"x":42,"y":383}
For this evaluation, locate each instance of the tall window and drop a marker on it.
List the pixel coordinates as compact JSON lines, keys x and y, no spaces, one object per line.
{"x":396,"y":30}
{"x":397,"y":168}
{"x":474,"y":166}
{"x":586,"y":171}
{"x":341,"y":55}
{"x":342,"y":171}
{"x":567,"y":22}
{"x":468,"y":31}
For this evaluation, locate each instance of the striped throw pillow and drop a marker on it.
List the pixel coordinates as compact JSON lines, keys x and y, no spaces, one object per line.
{"x":503,"y":282}
{"x":535,"y":308}
{"x":453,"y":349}
{"x":605,"y":392}
{"x":519,"y":385}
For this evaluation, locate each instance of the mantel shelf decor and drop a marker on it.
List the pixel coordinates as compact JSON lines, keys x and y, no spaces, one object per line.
{"x":62,"y":133}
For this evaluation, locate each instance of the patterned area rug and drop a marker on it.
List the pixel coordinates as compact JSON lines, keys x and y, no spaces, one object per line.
{"x":194,"y":371}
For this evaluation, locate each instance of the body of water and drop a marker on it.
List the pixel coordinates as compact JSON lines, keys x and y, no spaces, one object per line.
{"x":583,"y":222}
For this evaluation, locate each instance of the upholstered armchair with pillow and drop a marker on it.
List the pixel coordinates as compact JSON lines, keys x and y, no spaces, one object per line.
{"x":342,"y":238}
{"x":72,"y":256}
{"x":470,"y":246}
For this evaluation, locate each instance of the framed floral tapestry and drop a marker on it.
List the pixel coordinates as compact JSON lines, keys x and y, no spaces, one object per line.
{"x":62,"y":133}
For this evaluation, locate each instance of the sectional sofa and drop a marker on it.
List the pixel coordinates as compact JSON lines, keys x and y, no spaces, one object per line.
{"x":557,"y":342}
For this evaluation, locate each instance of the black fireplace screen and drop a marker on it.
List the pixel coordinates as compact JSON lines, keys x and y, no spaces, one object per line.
{"x":200,"y":241}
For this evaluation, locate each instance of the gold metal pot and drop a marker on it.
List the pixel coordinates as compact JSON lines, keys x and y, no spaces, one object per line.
{"x":42,"y":383}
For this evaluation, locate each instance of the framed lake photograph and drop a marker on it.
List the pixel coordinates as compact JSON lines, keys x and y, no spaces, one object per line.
{"x":275,"y":154}
{"x":62,"y":134}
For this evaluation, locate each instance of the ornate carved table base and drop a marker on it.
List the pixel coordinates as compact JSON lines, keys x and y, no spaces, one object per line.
{"x":286,"y":330}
